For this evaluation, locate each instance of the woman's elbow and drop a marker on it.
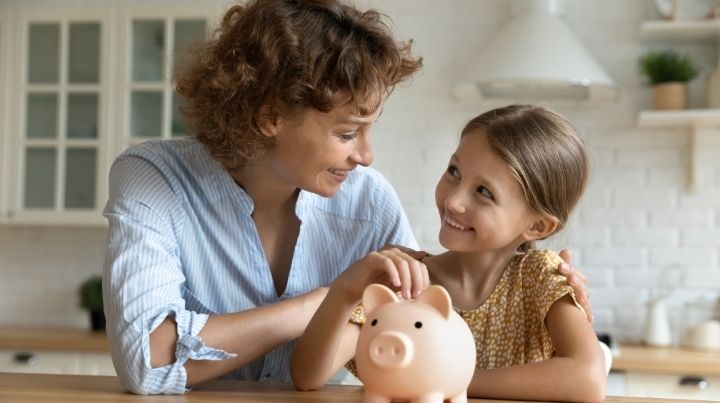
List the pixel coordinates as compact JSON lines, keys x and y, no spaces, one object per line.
{"x":133,"y":383}
{"x":143,"y":385}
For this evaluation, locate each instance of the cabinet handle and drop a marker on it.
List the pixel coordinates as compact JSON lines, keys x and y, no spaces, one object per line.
{"x":694,"y":381}
{"x":25,"y":357}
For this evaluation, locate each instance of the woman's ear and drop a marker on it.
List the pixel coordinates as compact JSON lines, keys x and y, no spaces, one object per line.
{"x":542,"y":227}
{"x":267,"y":121}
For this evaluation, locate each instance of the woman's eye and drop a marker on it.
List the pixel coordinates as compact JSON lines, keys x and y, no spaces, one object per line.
{"x":485,"y":192}
{"x":345,"y":137}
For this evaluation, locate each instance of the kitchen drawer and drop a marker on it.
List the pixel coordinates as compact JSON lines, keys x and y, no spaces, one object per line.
{"x":672,"y":386}
{"x":56,"y":362}
{"x":96,"y":364}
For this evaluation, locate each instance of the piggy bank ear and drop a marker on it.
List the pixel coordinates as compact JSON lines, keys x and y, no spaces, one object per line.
{"x":375,"y":296}
{"x":438,"y":298}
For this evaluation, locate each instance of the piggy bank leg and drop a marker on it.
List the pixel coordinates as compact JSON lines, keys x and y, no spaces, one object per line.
{"x":371,"y":397}
{"x":429,"y":398}
{"x":461,"y":398}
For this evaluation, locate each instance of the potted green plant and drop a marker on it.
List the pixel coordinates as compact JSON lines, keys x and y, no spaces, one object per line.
{"x":91,"y":298}
{"x":668,"y":73}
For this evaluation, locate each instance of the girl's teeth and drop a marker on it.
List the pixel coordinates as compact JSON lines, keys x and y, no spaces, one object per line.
{"x":455,"y":224}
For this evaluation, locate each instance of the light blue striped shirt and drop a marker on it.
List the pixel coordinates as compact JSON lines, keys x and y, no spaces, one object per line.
{"x":182,"y":242}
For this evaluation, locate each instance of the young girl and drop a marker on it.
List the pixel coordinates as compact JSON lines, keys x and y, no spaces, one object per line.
{"x":515,"y":177}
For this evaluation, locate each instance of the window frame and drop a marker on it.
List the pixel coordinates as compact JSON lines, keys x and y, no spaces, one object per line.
{"x":5,"y":51}
{"x":128,"y":14}
{"x":58,"y":214}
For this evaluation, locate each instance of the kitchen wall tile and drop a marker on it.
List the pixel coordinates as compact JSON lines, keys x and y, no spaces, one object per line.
{"x":636,"y":233}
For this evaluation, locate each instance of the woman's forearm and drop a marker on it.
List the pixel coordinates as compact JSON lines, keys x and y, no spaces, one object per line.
{"x":248,"y":334}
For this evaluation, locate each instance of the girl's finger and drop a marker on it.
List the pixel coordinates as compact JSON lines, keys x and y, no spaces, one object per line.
{"x":403,"y":264}
{"x":418,"y":272}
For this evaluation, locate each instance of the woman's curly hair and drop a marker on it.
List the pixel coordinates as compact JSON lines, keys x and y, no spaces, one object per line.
{"x":290,"y":55}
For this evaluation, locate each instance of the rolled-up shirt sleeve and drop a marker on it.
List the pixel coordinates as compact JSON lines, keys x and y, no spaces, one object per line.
{"x":143,"y":280}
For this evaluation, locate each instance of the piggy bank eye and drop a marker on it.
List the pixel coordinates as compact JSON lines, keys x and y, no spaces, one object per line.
{"x":374,"y":322}
{"x":418,"y":325}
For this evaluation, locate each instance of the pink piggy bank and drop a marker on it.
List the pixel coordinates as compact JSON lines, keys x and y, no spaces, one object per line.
{"x":417,"y":350}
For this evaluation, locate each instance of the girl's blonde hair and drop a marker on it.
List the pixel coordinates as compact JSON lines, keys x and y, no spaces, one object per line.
{"x":544,"y":152}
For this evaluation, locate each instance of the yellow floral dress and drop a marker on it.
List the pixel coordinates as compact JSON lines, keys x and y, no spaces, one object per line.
{"x":509,"y":327}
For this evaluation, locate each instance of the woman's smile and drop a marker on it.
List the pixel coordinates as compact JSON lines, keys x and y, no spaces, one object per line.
{"x":339,"y":174}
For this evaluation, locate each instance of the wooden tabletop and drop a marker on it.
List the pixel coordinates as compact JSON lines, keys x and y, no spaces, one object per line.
{"x":37,"y":388}
{"x":38,"y":338}
{"x":666,"y":360}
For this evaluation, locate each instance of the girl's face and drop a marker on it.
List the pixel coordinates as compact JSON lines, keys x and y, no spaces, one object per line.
{"x":481,"y":204}
{"x":316,"y":151}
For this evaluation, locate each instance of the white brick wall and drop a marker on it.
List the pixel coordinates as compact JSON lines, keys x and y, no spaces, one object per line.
{"x":636,"y":234}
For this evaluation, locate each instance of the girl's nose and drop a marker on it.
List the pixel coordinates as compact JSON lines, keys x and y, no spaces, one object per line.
{"x":455,"y":202}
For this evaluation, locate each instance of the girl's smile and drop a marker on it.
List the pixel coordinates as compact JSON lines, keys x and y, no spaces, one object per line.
{"x":480,"y":202}
{"x":456,"y":225}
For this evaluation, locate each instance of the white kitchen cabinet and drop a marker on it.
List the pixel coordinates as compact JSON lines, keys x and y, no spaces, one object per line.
{"x":670,"y":386}
{"x":56,"y":362}
{"x":665,"y":372}
{"x":84,"y":82}
{"x":59,"y":126}
{"x":4,"y":94}
{"x":154,"y":42}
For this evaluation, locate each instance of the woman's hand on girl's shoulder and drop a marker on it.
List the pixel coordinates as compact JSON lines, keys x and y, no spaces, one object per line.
{"x":577,"y":280}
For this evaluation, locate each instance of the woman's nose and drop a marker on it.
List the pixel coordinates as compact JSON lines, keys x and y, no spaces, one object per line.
{"x":363,"y":153}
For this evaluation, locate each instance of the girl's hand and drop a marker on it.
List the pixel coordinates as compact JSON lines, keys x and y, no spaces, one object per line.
{"x":390,"y":266}
{"x":577,"y":280}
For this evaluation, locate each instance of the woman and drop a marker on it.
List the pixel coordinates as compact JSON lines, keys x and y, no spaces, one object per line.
{"x":220,"y":245}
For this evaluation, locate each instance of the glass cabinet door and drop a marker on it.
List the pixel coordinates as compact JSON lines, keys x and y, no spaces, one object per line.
{"x":156,"y":47}
{"x":60,"y":135}
{"x":4,"y":115}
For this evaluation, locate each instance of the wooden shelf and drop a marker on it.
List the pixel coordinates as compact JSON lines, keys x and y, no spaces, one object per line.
{"x":701,"y":124}
{"x":666,"y":360}
{"x":60,"y":339}
{"x":685,"y":118}
{"x":681,"y":30}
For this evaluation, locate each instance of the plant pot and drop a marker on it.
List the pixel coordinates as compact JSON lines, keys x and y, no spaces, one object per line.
{"x":669,"y":96}
{"x":97,"y":320}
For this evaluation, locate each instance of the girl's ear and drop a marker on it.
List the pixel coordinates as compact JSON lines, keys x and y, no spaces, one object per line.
{"x":267,"y":121}
{"x":542,"y":227}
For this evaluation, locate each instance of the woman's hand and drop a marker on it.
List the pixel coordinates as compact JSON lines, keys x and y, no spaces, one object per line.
{"x":577,"y":281}
{"x":390,"y":266}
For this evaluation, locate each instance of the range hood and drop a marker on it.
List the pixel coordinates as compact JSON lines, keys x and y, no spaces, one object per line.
{"x":536,"y":56}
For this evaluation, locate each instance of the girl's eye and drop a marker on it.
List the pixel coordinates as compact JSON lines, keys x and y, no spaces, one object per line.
{"x":345,"y":137}
{"x":453,"y":171}
{"x":485,"y":192}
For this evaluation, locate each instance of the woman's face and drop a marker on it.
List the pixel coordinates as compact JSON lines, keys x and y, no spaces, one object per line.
{"x":481,"y":204}
{"x":316,"y":151}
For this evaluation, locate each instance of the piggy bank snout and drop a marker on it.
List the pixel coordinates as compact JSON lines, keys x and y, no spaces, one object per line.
{"x":391,"y":350}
